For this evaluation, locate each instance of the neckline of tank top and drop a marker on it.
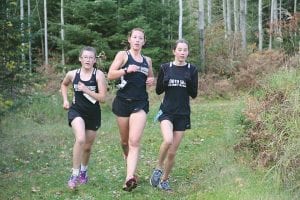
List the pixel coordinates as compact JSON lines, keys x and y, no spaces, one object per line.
{"x":90,"y":77}
{"x":143,"y":57}
{"x":185,"y":64}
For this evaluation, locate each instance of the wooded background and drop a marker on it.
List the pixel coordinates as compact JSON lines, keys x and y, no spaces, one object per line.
{"x":43,"y":34}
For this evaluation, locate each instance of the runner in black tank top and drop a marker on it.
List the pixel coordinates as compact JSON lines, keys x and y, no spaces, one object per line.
{"x":131,"y":102}
{"x":84,"y":104}
{"x":135,"y":88}
{"x":179,"y":81}
{"x":84,"y":114}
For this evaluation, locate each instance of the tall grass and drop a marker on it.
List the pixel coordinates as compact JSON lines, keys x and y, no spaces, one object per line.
{"x":277,"y":140}
{"x":36,"y":152}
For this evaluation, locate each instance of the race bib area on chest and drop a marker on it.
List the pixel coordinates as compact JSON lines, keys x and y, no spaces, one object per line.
{"x":142,"y":69}
{"x":176,"y":83}
{"x":92,"y":88}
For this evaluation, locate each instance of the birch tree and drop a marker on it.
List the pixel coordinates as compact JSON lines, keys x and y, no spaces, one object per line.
{"x":180,"y":20}
{"x":225,"y":17}
{"x":228,"y":15}
{"x":22,"y":29}
{"x":243,"y":6}
{"x":45,"y":33}
{"x":271,"y":24}
{"x":29,"y":36}
{"x":236,"y":16}
{"x":260,"y":30}
{"x":62,"y":33}
{"x":208,"y":12}
{"x":201,"y":34}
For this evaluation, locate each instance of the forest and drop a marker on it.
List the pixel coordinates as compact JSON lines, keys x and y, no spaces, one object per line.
{"x":243,"y":49}
{"x":48,"y":34}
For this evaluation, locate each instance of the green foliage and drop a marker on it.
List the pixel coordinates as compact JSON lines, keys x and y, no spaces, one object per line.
{"x":13,"y":71}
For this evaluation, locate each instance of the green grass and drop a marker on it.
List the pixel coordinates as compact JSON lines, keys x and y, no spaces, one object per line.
{"x":36,"y":149}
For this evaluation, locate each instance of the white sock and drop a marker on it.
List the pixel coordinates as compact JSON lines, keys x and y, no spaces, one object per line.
{"x":75,"y":172}
{"x":83,"y":167}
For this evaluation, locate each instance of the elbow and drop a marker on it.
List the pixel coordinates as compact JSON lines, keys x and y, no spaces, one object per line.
{"x":102,"y":98}
{"x":194,"y":95}
{"x":109,"y":76}
{"x":158,"y":92}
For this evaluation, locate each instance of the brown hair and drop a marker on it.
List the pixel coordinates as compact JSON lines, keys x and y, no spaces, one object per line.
{"x":180,"y":41}
{"x":127,"y":46}
{"x":88,"y":48}
{"x":137,"y":29}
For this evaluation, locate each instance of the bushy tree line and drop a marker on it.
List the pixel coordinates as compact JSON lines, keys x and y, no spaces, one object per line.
{"x":104,"y":24}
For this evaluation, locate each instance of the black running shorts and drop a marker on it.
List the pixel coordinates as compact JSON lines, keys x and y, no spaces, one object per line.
{"x":125,"y":107}
{"x":180,"y":122}
{"x":91,"y":122}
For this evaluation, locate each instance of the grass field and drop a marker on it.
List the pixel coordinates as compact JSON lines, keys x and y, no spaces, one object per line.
{"x":36,"y":147}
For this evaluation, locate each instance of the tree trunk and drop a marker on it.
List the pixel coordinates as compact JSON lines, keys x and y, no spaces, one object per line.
{"x":45,"y":33}
{"x":243,"y":23}
{"x":225,"y":18}
{"x":295,"y":35}
{"x":22,"y":31}
{"x":236,"y":16}
{"x":260,"y":30}
{"x":180,"y":20}
{"x":229,"y":29}
{"x":271,"y":24}
{"x":29,"y":36}
{"x":201,"y":34}
{"x":208,"y":12}
{"x":62,"y":32}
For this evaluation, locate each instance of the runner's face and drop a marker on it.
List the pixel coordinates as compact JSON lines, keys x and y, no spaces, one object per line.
{"x":136,"y":40}
{"x":87,"y":59}
{"x":181,"y":52}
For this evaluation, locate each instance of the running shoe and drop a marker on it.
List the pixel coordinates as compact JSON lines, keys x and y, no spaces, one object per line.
{"x":164,"y":185}
{"x":155,"y":178}
{"x":130,"y":184}
{"x":83,"y":177}
{"x":73,"y":182}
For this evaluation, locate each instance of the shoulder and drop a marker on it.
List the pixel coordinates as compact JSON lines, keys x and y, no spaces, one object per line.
{"x":147,"y":58}
{"x":99,"y":74}
{"x":165,"y":65}
{"x":122,"y":53}
{"x":71,"y":74}
{"x":193,"y":68}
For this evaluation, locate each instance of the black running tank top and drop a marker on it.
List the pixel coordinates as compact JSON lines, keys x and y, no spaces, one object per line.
{"x":135,"y":88}
{"x":81,"y":102}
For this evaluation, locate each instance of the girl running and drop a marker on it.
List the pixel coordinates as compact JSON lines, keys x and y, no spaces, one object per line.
{"x":131,"y":103}
{"x":179,"y":81}
{"x":84,"y":114}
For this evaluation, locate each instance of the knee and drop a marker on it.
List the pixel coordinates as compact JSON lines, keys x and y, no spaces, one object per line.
{"x":80,"y":141}
{"x":124,"y":144}
{"x":88,"y":149}
{"x":171,"y":155}
{"x":168,"y":143}
{"x":134,"y":143}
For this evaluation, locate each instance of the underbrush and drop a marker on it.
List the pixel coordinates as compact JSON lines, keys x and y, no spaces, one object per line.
{"x":272,"y":120}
